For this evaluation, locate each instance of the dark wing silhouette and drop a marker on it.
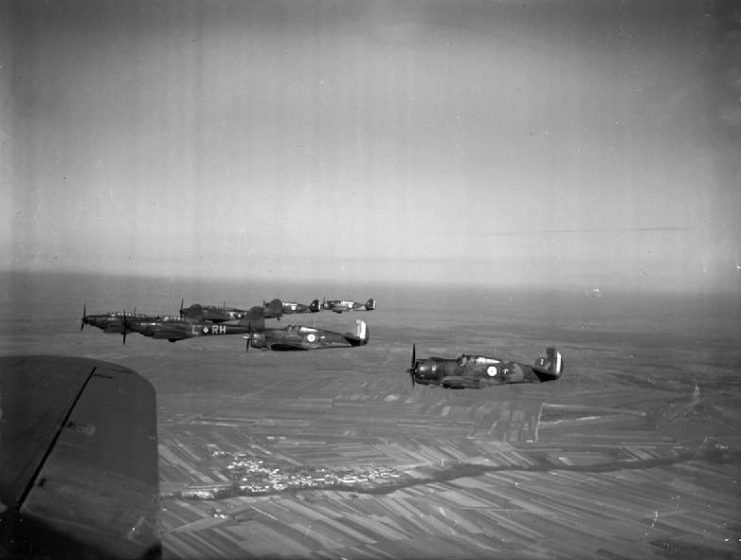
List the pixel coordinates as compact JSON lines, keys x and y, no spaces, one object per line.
{"x":78,"y":460}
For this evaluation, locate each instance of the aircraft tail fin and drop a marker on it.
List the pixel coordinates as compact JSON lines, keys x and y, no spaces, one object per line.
{"x":254,"y":318}
{"x":550,"y":366}
{"x":360,"y":338}
{"x":370,"y":305}
{"x":274,"y":307}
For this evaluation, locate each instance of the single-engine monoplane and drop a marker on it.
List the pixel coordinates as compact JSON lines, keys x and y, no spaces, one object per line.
{"x":298,"y":337}
{"x":290,"y":307}
{"x":341,"y":305}
{"x":474,"y":371}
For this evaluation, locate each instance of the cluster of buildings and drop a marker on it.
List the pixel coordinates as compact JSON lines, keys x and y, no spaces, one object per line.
{"x":252,"y":475}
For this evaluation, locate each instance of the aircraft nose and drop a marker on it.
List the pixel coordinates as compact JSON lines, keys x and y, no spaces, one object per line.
{"x":423,"y":369}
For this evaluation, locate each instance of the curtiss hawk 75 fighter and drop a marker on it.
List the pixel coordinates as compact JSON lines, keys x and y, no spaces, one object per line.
{"x":477,"y":372}
{"x":340,"y":305}
{"x":297,"y":337}
{"x":290,"y":307}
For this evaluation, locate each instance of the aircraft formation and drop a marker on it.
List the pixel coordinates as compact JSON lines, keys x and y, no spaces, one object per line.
{"x":214,"y":320}
{"x":55,"y":484}
{"x":466,"y":371}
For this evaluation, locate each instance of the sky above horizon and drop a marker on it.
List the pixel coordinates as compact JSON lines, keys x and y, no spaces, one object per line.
{"x":564,"y":143}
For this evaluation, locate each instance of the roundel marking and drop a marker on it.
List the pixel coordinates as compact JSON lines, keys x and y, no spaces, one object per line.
{"x":311,"y":337}
{"x":491,"y":371}
{"x":205,"y":330}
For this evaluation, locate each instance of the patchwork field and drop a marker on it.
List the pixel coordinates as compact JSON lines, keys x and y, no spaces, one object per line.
{"x":634,"y":453}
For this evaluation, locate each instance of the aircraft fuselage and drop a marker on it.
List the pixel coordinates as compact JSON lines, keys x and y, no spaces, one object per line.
{"x":471,"y":371}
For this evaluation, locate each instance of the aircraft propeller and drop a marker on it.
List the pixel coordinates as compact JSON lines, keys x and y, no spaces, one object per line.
{"x":414,"y":361}
{"x":84,"y":316}
{"x":125,"y":327}
{"x":249,"y":339}
{"x":182,"y":302}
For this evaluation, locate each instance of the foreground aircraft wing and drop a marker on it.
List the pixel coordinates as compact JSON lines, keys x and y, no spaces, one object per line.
{"x":78,"y":460}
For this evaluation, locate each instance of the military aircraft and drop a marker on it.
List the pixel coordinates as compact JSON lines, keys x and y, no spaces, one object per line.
{"x":111,"y":322}
{"x":212,"y":313}
{"x":340,"y":305}
{"x":176,"y":328}
{"x":476,"y":372}
{"x":298,"y":337}
{"x":79,"y":465}
{"x":290,"y":307}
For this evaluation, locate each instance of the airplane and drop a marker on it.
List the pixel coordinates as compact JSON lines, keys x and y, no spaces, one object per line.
{"x":111,"y":322}
{"x":176,"y":328}
{"x":298,"y":337}
{"x":290,"y":307}
{"x":212,"y":313}
{"x":273,"y":309}
{"x":79,"y":464}
{"x":340,"y":305}
{"x":477,"y":372}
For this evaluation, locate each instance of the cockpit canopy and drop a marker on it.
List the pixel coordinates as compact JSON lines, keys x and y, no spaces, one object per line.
{"x":477,"y":360}
{"x":300,"y":329}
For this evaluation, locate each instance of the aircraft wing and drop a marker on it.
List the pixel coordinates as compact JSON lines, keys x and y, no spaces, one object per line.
{"x":78,"y":468}
{"x":459,"y":382}
{"x":286,"y":345}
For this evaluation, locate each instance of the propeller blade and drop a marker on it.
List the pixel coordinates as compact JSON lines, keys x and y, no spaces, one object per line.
{"x":125,"y":327}
{"x":84,"y":316}
{"x":182,"y":302}
{"x":414,"y":362}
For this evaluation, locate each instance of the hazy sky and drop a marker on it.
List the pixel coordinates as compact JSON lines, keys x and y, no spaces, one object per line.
{"x":585,"y":143}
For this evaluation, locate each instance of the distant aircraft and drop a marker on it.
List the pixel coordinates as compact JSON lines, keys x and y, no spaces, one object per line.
{"x":290,"y":307}
{"x":482,"y":371}
{"x":212,"y":313}
{"x":297,"y":337}
{"x":175,"y":328}
{"x":78,"y":469}
{"x":340,"y":305}
{"x":111,"y":322}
